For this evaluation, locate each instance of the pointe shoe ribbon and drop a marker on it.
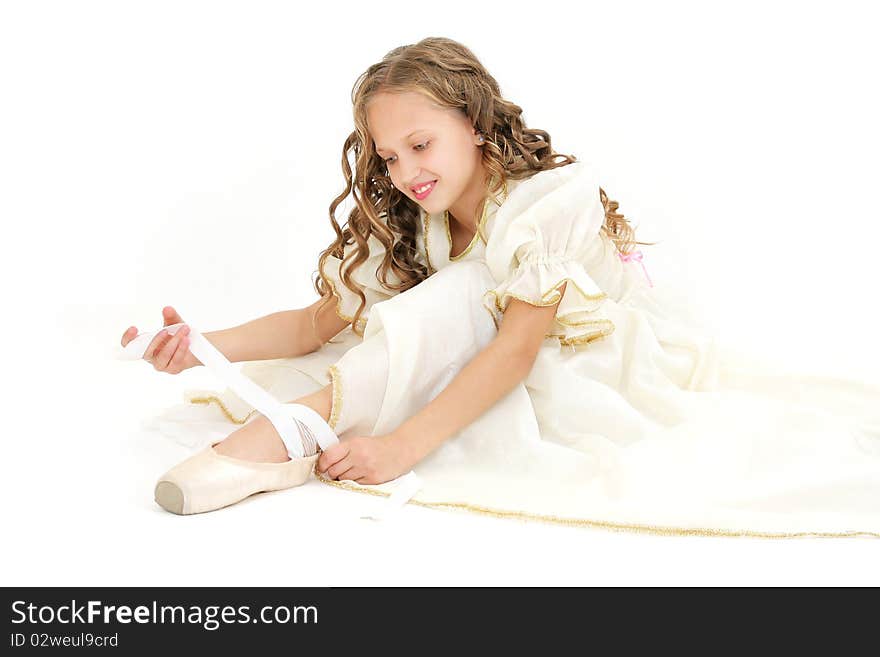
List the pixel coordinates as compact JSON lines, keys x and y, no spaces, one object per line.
{"x":407,"y":486}
{"x":281,"y":415}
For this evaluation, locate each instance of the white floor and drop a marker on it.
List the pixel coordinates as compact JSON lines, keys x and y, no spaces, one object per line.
{"x":78,"y":508}
{"x":190,"y":181}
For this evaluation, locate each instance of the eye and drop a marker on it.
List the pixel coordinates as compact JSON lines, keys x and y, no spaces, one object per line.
{"x":425,"y":144}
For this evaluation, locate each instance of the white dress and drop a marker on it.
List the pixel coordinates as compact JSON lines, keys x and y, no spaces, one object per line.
{"x":632,"y":417}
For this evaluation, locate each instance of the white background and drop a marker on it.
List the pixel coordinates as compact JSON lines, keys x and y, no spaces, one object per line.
{"x":185,"y":154}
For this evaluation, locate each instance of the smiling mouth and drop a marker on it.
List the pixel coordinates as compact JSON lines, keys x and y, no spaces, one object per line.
{"x":427,"y":190}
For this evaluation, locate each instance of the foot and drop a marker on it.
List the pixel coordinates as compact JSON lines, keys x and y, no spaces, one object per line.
{"x":260,"y":442}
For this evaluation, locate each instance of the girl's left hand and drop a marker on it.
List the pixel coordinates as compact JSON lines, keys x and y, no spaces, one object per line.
{"x":365,"y":460}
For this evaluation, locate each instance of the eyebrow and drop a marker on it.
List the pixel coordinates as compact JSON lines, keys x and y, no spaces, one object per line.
{"x":382,"y":148}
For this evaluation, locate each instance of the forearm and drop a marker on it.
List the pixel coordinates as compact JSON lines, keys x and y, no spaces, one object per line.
{"x":485,"y":380}
{"x":278,"y":335}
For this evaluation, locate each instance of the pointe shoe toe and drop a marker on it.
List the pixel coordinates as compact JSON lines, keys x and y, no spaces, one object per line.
{"x":169,"y":497}
{"x":208,"y":481}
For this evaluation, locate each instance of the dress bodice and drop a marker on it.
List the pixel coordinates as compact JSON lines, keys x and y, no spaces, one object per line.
{"x":599,"y":257}
{"x":437,"y":243}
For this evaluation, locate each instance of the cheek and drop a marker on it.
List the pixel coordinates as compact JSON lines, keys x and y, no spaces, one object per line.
{"x":440,"y":165}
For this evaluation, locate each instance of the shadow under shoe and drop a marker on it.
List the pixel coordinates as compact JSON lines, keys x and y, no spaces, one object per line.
{"x":208,"y":481}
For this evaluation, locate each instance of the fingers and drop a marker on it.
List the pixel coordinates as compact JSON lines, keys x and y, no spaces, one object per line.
{"x":170,"y":315}
{"x":176,"y":343}
{"x":343,"y":469}
{"x":328,"y":457}
{"x":158,"y":341}
{"x":129,"y":335}
{"x":166,"y":352}
{"x":352,"y":474}
{"x":177,"y":360}
{"x":332,"y":456}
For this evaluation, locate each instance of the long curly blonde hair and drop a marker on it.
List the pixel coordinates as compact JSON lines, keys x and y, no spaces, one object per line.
{"x":451,"y":76}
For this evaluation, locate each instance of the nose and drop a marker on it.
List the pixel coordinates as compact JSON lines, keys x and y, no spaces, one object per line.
{"x":410,"y":174}
{"x":411,"y":182}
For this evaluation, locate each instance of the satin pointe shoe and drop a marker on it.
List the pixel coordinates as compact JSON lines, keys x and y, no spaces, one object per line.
{"x":208,"y":481}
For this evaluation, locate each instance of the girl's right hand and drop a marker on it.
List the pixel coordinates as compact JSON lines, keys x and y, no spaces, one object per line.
{"x":166,"y":353}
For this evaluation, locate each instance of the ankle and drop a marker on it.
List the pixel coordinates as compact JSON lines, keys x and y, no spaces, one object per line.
{"x":256,"y":441}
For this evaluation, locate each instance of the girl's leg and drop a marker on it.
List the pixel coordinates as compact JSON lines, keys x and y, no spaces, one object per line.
{"x":414,"y":344}
{"x":258,"y":440}
{"x":437,"y":347}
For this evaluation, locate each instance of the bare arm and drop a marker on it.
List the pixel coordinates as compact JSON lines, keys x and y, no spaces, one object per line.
{"x":485,"y":380}
{"x":283,"y":334}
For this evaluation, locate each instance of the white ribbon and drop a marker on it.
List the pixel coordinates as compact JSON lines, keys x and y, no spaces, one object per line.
{"x":279,"y":414}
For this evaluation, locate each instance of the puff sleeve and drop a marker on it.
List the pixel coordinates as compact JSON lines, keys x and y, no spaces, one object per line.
{"x":542,"y":235}
{"x":365,"y":276}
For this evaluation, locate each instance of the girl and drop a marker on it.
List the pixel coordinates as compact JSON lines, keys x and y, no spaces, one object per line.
{"x":495,"y":328}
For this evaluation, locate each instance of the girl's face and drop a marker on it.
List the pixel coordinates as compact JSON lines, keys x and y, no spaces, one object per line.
{"x":421,"y":143}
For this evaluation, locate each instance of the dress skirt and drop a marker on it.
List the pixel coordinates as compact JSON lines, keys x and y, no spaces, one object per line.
{"x":654,"y":428}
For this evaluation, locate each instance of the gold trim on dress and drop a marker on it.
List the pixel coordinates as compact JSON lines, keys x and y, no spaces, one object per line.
{"x":362,"y":323}
{"x":336,"y":403}
{"x":587,"y":337}
{"x":492,"y":315}
{"x":427,"y":229}
{"x":600,"y":524}
{"x":546,"y":299}
{"x":576,"y":522}
{"x":207,"y":399}
{"x":477,"y":234}
{"x":607,"y":328}
{"x":473,"y":243}
{"x":584,"y":338}
{"x":587,"y":322}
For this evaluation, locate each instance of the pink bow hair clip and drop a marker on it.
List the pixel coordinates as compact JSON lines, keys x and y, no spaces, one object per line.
{"x":637,"y":256}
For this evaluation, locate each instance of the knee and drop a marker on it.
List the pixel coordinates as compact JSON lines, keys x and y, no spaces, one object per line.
{"x":466,"y":274}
